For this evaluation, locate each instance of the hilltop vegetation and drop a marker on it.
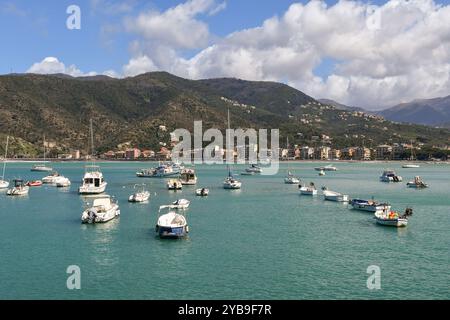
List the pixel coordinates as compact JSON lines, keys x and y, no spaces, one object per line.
{"x":132,"y":109}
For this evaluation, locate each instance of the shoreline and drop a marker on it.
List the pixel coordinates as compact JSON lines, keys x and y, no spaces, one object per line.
{"x":30,"y":160}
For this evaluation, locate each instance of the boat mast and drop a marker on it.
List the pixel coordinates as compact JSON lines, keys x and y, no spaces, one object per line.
{"x":91,"y":131}
{"x":4,"y":160}
{"x":412,"y":151}
{"x":228,"y":141}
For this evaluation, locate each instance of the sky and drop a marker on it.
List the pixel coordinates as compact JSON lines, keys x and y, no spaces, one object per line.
{"x":369,"y":54}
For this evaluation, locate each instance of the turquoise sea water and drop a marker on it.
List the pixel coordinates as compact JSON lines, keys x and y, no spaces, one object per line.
{"x":262,"y":242}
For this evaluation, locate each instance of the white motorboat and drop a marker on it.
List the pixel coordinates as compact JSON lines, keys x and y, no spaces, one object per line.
{"x":369,"y":205}
{"x":390,"y":176}
{"x":93,"y":181}
{"x":291,"y":179}
{"x":392,"y":218}
{"x":19,"y":188}
{"x":140,"y":196}
{"x":254,"y":169}
{"x":231,"y":183}
{"x":42,"y":167}
{"x":103,"y":209}
{"x":180,"y":204}
{"x":202,"y":192}
{"x":326,"y":168}
{"x":417,"y":183}
{"x":335,"y":196}
{"x":174,"y":184}
{"x":188,"y":177}
{"x":410,"y":166}
{"x":245,"y":173}
{"x":51,"y":178}
{"x":62,"y":182}
{"x":171,"y":224}
{"x":308,"y":190}
{"x":3,"y":183}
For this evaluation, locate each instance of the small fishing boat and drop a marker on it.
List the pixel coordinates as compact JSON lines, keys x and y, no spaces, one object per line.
{"x":19,"y":188}
{"x":188,"y":177}
{"x":51,"y":178}
{"x":254,"y":168}
{"x":202,"y":192}
{"x":291,"y":179}
{"x":174,"y":184}
{"x":34,"y":183}
{"x":180,"y":204}
{"x":369,"y":205}
{"x":390,"y":176}
{"x":245,"y":173}
{"x":321,"y":173}
{"x":308,"y":190}
{"x":392,"y":218}
{"x":140,"y":196}
{"x":335,"y":196}
{"x":103,"y":209}
{"x":3,"y":183}
{"x":417,"y":183}
{"x":163,"y":170}
{"x":326,"y":168}
{"x":171,"y":224}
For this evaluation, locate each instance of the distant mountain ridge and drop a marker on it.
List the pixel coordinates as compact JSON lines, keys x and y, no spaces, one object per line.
{"x":432,"y":112}
{"x":341,"y":106}
{"x":130,"y":111}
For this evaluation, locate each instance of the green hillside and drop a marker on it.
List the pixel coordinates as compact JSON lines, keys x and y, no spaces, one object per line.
{"x":132,"y":109}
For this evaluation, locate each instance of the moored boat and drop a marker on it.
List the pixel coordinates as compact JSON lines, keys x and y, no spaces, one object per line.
{"x":42,"y":167}
{"x":34,"y":183}
{"x":202,"y":192}
{"x":308,"y":190}
{"x":291,"y":179}
{"x":171,"y":224}
{"x":390,"y":176}
{"x":369,"y":205}
{"x":19,"y":189}
{"x":188,"y":177}
{"x":180,"y":204}
{"x":62,"y":182}
{"x":93,"y":181}
{"x":254,"y":168}
{"x":140,"y":196}
{"x":51,"y":178}
{"x":103,"y":209}
{"x":410,"y":166}
{"x":174,"y":184}
{"x":335,"y":196}
{"x":326,"y":168}
{"x":392,"y":218}
{"x":3,"y":183}
{"x":417,"y":183}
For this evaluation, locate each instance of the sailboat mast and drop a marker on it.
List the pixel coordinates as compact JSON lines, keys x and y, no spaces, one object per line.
{"x":4,"y":160}
{"x":228,"y":141}
{"x":92,"y":140}
{"x":44,"y":148}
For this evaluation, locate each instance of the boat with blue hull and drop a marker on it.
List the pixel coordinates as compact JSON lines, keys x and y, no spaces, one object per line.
{"x":171,"y":224}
